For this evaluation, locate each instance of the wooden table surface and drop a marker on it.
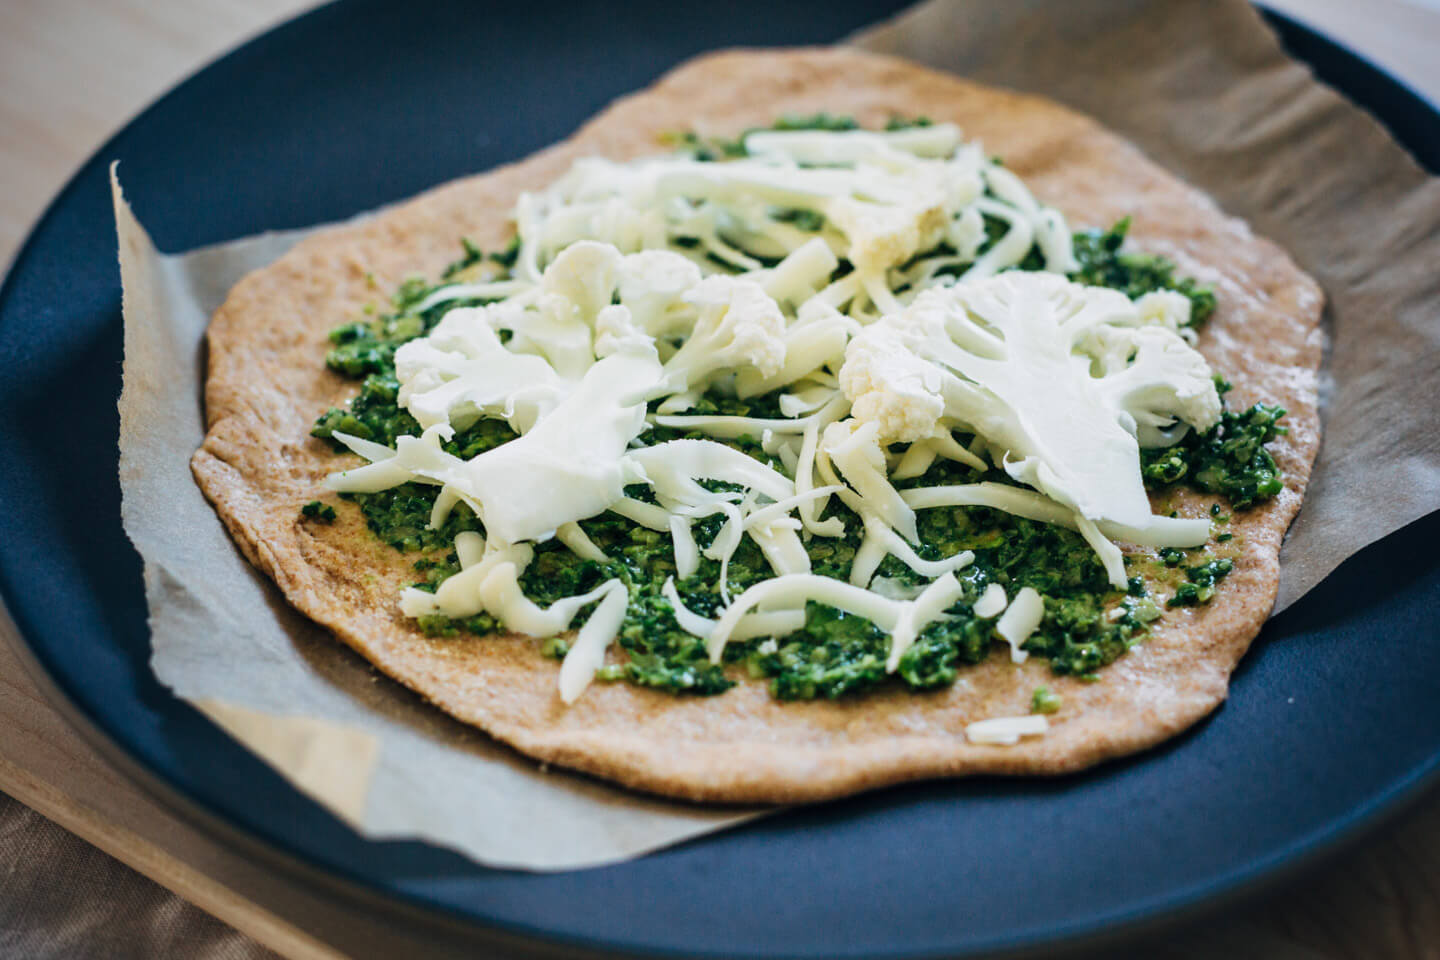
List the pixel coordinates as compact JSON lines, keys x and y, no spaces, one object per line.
{"x":72,"y":72}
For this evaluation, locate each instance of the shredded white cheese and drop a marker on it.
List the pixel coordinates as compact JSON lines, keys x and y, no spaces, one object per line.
{"x":1006,"y":731}
{"x":687,"y":554}
{"x":903,"y":619}
{"x":992,"y":602}
{"x":587,"y":654}
{"x":766,"y":623}
{"x":619,"y":301}
{"x":1021,"y":619}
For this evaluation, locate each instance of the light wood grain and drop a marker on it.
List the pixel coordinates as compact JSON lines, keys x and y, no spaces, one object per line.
{"x":71,"y":72}
{"x":1401,"y":36}
{"x":45,"y":765}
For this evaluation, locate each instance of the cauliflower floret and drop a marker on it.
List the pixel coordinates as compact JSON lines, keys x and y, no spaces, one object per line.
{"x":1168,"y":309}
{"x":557,"y":321}
{"x":571,"y":320}
{"x":653,"y":284}
{"x":814,"y":341}
{"x":884,"y":235}
{"x":890,"y":386}
{"x":549,"y":328}
{"x":1161,"y":384}
{"x":585,"y":273}
{"x":808,"y":348}
{"x":738,"y":326}
{"x":616,"y":332}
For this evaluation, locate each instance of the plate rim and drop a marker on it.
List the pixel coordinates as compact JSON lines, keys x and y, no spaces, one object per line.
{"x":1380,"y":809}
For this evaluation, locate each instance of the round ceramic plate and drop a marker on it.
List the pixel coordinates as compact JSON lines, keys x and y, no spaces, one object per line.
{"x":1333,"y":718}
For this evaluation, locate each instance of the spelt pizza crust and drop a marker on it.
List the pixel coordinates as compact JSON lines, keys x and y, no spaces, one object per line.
{"x":266,"y":385}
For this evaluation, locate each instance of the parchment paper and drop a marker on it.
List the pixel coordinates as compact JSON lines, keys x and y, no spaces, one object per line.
{"x":1202,"y":86}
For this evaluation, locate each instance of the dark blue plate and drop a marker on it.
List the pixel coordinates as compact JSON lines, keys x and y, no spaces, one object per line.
{"x":1334,"y":719}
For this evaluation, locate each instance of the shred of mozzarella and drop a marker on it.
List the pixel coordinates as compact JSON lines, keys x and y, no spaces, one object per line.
{"x":904,"y":620}
{"x":765,"y":623}
{"x":587,"y":653}
{"x":687,"y":554}
{"x":1006,"y":731}
{"x":1159,"y":532}
{"x":1021,"y":618}
{"x":992,"y":602}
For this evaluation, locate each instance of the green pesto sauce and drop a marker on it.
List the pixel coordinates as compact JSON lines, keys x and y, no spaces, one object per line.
{"x":1044,"y":701}
{"x":1229,"y":459}
{"x":319,"y":512}
{"x":1102,"y":264}
{"x":1087,"y":624}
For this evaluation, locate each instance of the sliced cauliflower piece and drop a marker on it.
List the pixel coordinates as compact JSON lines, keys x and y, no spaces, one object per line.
{"x":571,"y":465}
{"x":461,"y":372}
{"x":1009,"y":357}
{"x":1160,"y":384}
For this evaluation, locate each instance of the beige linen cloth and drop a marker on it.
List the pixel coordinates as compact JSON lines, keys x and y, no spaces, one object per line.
{"x":1201,"y":86}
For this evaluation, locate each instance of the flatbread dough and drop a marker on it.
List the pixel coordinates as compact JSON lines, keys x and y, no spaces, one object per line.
{"x":267,"y":385}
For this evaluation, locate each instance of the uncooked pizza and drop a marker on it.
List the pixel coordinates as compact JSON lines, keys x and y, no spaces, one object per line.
{"x":808,"y":422}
